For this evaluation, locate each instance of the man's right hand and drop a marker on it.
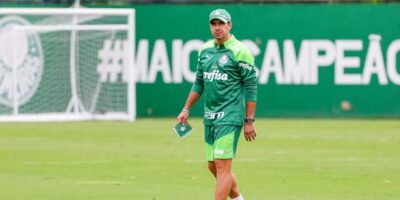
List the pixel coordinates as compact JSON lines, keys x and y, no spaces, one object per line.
{"x":191,"y":100}
{"x":183,"y":116}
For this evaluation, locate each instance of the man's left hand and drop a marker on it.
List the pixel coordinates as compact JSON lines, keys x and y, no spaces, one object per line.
{"x":249,"y":132}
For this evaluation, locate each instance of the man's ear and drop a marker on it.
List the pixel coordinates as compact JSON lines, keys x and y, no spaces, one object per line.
{"x":230,"y":25}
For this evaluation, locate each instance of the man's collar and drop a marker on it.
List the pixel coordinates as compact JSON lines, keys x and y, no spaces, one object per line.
{"x":227,"y":42}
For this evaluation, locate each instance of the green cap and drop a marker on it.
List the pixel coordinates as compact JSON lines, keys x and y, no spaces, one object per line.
{"x":220,"y":14}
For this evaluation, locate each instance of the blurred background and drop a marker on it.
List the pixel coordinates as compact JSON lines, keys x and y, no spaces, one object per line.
{"x":315,"y":58}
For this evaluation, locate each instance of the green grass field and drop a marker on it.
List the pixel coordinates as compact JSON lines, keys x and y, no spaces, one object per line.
{"x":311,"y":159}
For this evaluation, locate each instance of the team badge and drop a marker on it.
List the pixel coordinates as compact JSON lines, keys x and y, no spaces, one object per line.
{"x":21,"y":61}
{"x":223,"y":60}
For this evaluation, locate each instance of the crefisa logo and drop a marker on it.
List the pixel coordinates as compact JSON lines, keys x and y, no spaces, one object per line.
{"x":21,"y":61}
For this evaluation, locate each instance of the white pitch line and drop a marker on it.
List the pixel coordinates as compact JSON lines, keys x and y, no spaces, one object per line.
{"x":78,"y":162}
{"x":100,"y":182}
{"x":91,"y":162}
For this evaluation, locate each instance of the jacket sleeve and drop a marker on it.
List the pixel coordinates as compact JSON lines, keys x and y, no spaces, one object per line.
{"x":246,"y":67}
{"x":198,"y":85}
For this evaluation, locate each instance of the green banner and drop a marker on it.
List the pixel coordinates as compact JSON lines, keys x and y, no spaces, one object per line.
{"x":313,"y":60}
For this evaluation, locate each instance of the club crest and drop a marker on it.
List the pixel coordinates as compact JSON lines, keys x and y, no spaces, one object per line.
{"x":223,"y":60}
{"x":21,"y":58}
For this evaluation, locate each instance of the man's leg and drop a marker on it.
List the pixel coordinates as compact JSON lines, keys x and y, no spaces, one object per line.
{"x":221,"y":143}
{"x":234,"y":189}
{"x":224,"y":178}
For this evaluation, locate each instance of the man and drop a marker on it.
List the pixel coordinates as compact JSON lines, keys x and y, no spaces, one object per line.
{"x":226,"y":78}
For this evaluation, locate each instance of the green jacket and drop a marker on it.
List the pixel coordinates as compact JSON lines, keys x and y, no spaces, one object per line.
{"x":226,"y":78}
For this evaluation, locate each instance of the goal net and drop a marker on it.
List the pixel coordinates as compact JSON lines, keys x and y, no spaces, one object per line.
{"x":66,"y":64}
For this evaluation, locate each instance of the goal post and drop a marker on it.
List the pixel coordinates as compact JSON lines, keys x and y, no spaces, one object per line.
{"x":63,"y":64}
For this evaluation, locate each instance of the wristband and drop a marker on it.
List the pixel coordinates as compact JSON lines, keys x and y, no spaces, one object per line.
{"x":186,"y":110}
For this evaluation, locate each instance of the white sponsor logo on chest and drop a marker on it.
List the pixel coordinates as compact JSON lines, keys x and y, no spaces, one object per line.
{"x":215,"y":75}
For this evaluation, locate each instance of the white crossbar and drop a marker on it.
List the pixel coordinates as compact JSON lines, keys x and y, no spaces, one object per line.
{"x":45,"y":28}
{"x":65,"y":11}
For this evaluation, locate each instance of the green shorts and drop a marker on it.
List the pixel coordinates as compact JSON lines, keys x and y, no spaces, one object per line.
{"x":221,"y":141}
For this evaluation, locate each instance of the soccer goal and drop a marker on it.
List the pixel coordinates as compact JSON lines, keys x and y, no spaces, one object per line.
{"x":67,"y":64}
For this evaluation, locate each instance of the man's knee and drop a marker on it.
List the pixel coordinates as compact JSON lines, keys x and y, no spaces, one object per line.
{"x":223,"y":166}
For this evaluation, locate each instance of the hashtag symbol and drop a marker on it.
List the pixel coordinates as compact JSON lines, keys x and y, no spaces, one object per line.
{"x":114,"y":61}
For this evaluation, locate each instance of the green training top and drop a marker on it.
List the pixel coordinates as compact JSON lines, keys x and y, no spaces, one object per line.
{"x":225,"y":77}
